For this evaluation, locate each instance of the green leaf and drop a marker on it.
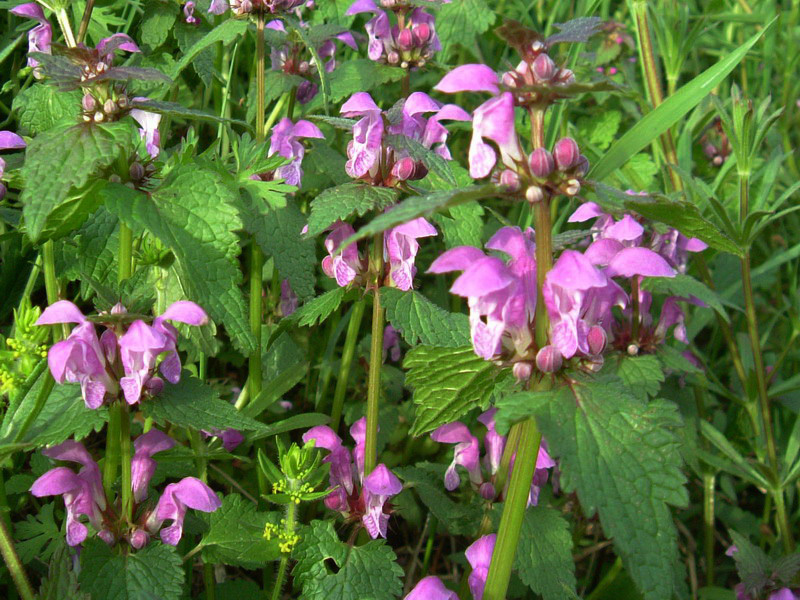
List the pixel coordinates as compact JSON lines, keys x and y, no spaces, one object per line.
{"x":173,"y":109}
{"x":154,"y":572}
{"x":459,"y":518}
{"x":278,"y":232}
{"x":192,"y":213}
{"x":464,"y":226}
{"x":421,"y":206}
{"x":320,"y":308}
{"x":62,"y":580}
{"x":600,"y":130}
{"x":623,"y":458}
{"x":229,"y":30}
{"x":159,"y":17}
{"x":62,"y":159}
{"x":670,"y":111}
{"x":192,"y":403}
{"x":236,"y":535}
{"x":752,"y":564}
{"x":448,"y":383}
{"x":544,"y":556}
{"x":361,"y":75}
{"x":460,"y":22}
{"x":303,"y":421}
{"x":338,"y":203}
{"x":368,"y":572}
{"x":642,"y":375}
{"x":518,"y":406}
{"x":686,"y":218}
{"x":41,"y":106}
{"x":685,"y":286}
{"x":38,"y":536}
{"x":421,"y":321}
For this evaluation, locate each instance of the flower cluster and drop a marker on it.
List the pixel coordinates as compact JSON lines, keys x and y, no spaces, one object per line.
{"x":121,"y":358}
{"x":84,"y":495}
{"x":8,"y":141}
{"x":293,"y":58}
{"x":411,"y":43}
{"x":466,"y":454}
{"x":377,"y":488}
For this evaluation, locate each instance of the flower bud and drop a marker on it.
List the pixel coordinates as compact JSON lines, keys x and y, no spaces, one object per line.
{"x":109,"y":107}
{"x":122,"y":101}
{"x":422,"y":33}
{"x":565,"y":77}
{"x":541,"y":163}
{"x":393,"y":57}
{"x":139,"y":539}
{"x":633,"y":349}
{"x":303,"y":67}
{"x":136,"y":171}
{"x":403,"y":169}
{"x":522,"y":371}
{"x":89,"y":104}
{"x":548,"y":359}
{"x":537,"y":46}
{"x":573,"y":187}
{"x":509,"y":179}
{"x":597,"y":340}
{"x":566,"y":153}
{"x":107,"y":536}
{"x":534,"y":194}
{"x":543,"y":68}
{"x":582,"y":168}
{"x":420,"y":171}
{"x":487,"y":491}
{"x":513,"y":79}
{"x":405,"y":39}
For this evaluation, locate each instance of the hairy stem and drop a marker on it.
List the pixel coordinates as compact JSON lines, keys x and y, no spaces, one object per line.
{"x":125,"y":252}
{"x":709,"y":482}
{"x":51,"y":284}
{"x":87,"y":16}
{"x":112,"y":457}
{"x":126,"y":493}
{"x":14,"y":565}
{"x":353,"y":328}
{"x":291,"y":513}
{"x":66,"y":28}
{"x":375,"y":359}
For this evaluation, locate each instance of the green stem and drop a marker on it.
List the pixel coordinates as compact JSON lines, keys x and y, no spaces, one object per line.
{"x":66,"y":28}
{"x":41,"y":399}
{"x":513,"y":512}
{"x":709,"y":481}
{"x":126,"y":492}
{"x":112,"y":458}
{"x":87,"y":16}
{"x":291,"y":513}
{"x":208,"y":581}
{"x":14,"y":565}
{"x":353,"y":328}
{"x":375,"y":359}
{"x":125,"y":252}
{"x":51,"y":283}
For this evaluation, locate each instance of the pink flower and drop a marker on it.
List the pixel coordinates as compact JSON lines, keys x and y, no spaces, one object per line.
{"x":431,"y":588}
{"x":363,"y":152}
{"x":285,"y":142}
{"x":177,"y":498}
{"x":379,"y":486}
{"x":341,"y":473}
{"x":40,"y":37}
{"x":400,"y":248}
{"x":8,"y":141}
{"x":148,"y":130}
{"x":142,"y":464}
{"x":465,"y":454}
{"x":345,"y":266}
{"x":479,"y":555}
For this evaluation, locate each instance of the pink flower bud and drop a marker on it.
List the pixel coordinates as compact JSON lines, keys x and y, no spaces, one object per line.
{"x":541,"y":162}
{"x":139,"y":539}
{"x":136,"y":171}
{"x":393,"y":57}
{"x":89,"y":104}
{"x":565,"y":77}
{"x":403,"y":169}
{"x":513,"y":79}
{"x":548,"y":359}
{"x":544,"y":68}
{"x":405,"y":39}
{"x":509,"y":179}
{"x":582,"y":168}
{"x":487,"y":491}
{"x":597,"y":340}
{"x":534,"y":194}
{"x":109,"y":106}
{"x":522,"y":371}
{"x":566,"y":153}
{"x":612,"y":70}
{"x":422,"y":33}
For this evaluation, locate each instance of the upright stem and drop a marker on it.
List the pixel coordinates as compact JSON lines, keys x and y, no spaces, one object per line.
{"x":126,"y":493}
{"x":125,"y":252}
{"x":112,"y":458}
{"x":709,"y":481}
{"x":291,"y":513}
{"x":353,"y":327}
{"x":51,"y":283}
{"x":87,"y":16}
{"x":14,"y":565}
{"x":66,"y":28}
{"x":256,"y":255}
{"x":375,"y":359}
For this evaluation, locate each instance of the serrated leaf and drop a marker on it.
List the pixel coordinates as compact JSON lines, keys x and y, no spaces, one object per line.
{"x":420,"y":206}
{"x":320,"y":308}
{"x":173,"y":109}
{"x":38,"y":536}
{"x":235,"y":534}
{"x":518,"y":406}
{"x":459,"y":518}
{"x":686,"y":218}
{"x":192,"y":213}
{"x":576,"y":30}
{"x":601,"y":129}
{"x":753,"y":566}
{"x":159,"y":17}
{"x":460,"y":22}
{"x":544,"y":555}
{"x":226,"y":32}
{"x":192,"y":403}
{"x":422,"y":322}
{"x":642,"y":375}
{"x":623,"y":459}
{"x":62,"y":159}
{"x":685,"y":286}
{"x":361,"y":75}
{"x":448,"y":383}
{"x":342,"y":201}
{"x":368,"y":572}
{"x":41,"y":106}
{"x":464,"y":226}
{"x":154,"y":572}
{"x":62,"y":580}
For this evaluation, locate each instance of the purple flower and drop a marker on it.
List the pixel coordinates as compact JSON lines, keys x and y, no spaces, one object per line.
{"x":540,"y":474}
{"x":400,"y":248}
{"x":188,"y":12}
{"x":493,"y":442}
{"x":363,"y":151}
{"x":379,"y":486}
{"x":83,"y":492}
{"x":139,"y":349}
{"x":148,"y":129}
{"x":285,"y":142}
{"x":8,"y":141}
{"x":465,"y":454}
{"x":82,"y":357}
{"x":142,"y":464}
{"x":40,"y":37}
{"x":358,"y":431}
{"x":289,"y":301}
{"x":391,"y":343}
{"x":502,"y":297}
{"x":231,"y":438}
{"x":345,"y":266}
{"x":341,"y":473}
{"x":189,"y":492}
{"x":431,"y":588}
{"x":479,"y":555}
{"x":181,"y":311}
